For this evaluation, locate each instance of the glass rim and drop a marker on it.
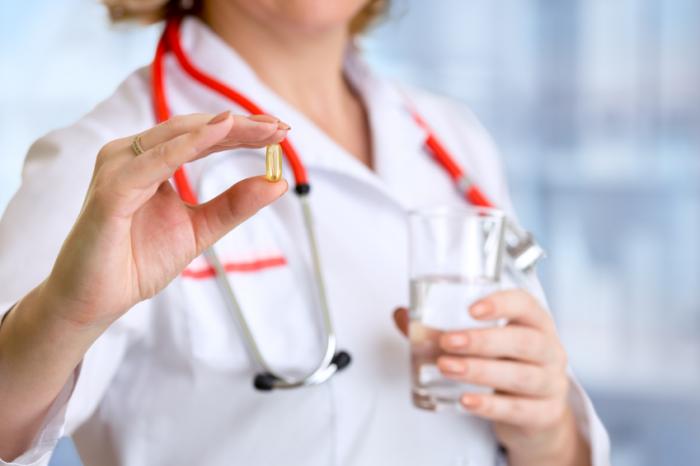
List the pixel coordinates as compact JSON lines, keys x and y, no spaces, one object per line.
{"x":447,"y":211}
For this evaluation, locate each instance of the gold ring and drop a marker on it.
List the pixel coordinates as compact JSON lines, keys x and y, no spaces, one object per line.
{"x":136,"y":145}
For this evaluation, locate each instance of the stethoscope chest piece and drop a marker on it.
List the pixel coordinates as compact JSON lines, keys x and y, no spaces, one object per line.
{"x":332,"y":360}
{"x":267,"y":381}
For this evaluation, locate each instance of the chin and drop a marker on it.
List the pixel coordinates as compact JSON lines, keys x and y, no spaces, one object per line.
{"x":305,"y":16}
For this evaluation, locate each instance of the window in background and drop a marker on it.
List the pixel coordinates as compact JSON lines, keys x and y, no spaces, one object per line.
{"x":596,"y":107}
{"x":57,"y":61}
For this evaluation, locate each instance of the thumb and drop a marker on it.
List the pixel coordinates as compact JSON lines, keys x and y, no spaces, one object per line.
{"x":401,"y":320}
{"x":215,"y":218}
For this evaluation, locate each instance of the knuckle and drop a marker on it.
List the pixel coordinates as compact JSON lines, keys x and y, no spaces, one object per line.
{"x":560,"y":358}
{"x":563,"y":360}
{"x":177,"y":124}
{"x":544,"y":385}
{"x":550,"y":416}
{"x":558,"y":413}
{"x":561,"y":385}
{"x":161,"y":153}
{"x":476,"y":341}
{"x":193,"y":142}
{"x":107,"y":150}
{"x":103,"y":153}
{"x":476,"y":371}
{"x":564,"y":356}
{"x":550,"y":384}
{"x":533,"y":427}
{"x":486,"y":406}
{"x":526,"y":380}
{"x":525,"y":343}
{"x":515,"y":408}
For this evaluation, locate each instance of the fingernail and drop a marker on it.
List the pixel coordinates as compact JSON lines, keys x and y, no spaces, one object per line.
{"x":264,"y":118}
{"x":480,"y":309}
{"x":456,"y":340}
{"x":454,"y":366}
{"x":220,"y":117}
{"x":270,"y":119}
{"x":470,"y":401}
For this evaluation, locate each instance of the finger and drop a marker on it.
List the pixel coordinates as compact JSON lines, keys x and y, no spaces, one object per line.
{"x":514,"y":410}
{"x":160,"y":162}
{"x":255,"y":128}
{"x":253,"y":131}
{"x":401,"y":320}
{"x":270,"y":119}
{"x":172,"y":128}
{"x":514,"y":342}
{"x":517,"y":306}
{"x":506,"y":376}
{"x":215,"y":218}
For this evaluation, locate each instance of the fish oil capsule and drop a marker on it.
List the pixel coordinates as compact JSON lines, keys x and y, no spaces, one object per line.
{"x":273,"y":162}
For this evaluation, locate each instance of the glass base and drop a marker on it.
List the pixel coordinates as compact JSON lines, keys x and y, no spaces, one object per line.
{"x":429,"y":402}
{"x":435,"y":392}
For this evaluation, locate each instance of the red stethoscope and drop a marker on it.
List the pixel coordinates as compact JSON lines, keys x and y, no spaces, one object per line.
{"x":520,"y":245}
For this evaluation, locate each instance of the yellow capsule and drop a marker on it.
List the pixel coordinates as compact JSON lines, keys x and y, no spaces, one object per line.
{"x":273,"y":162}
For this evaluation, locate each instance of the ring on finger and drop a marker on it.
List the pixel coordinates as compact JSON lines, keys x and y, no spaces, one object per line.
{"x":136,"y":146}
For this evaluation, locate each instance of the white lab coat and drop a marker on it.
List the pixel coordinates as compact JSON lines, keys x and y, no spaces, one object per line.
{"x":170,"y":382}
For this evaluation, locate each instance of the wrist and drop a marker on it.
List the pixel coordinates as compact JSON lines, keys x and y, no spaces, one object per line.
{"x":57,"y":306}
{"x":561,"y":445}
{"x":63,"y":315}
{"x":33,"y":336}
{"x":38,"y":354}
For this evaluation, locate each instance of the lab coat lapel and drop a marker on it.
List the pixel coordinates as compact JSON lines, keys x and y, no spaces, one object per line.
{"x":399,"y":157}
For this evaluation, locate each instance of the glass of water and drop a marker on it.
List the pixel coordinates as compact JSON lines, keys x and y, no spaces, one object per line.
{"x":455,"y":259}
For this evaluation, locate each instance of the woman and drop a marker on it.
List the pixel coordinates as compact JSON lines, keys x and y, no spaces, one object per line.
{"x":120,"y":337}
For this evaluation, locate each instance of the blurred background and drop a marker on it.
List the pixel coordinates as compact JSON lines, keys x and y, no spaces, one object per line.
{"x":596,"y":107}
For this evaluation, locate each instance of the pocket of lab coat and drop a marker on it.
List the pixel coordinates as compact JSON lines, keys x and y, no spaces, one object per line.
{"x":275,"y":294}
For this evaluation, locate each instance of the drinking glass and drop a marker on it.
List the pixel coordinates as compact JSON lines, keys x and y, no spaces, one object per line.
{"x":455,"y":259}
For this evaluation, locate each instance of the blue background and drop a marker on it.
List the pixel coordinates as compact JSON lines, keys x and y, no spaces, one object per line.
{"x":596,"y":107}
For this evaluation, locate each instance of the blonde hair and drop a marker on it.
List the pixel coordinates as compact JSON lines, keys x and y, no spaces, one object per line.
{"x":152,"y":11}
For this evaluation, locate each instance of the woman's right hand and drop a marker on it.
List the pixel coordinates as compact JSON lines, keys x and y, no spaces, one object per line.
{"x":134,"y":233}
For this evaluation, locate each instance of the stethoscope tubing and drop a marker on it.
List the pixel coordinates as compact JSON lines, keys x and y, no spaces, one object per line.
{"x":520,"y":244}
{"x":325,"y":368}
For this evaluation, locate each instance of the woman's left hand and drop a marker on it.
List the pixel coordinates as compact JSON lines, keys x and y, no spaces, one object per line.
{"x":525,"y":363}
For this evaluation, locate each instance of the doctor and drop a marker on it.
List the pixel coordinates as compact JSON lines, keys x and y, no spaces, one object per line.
{"x":117,"y":333}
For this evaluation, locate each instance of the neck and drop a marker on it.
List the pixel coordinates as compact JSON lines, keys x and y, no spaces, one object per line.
{"x":303,"y":67}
